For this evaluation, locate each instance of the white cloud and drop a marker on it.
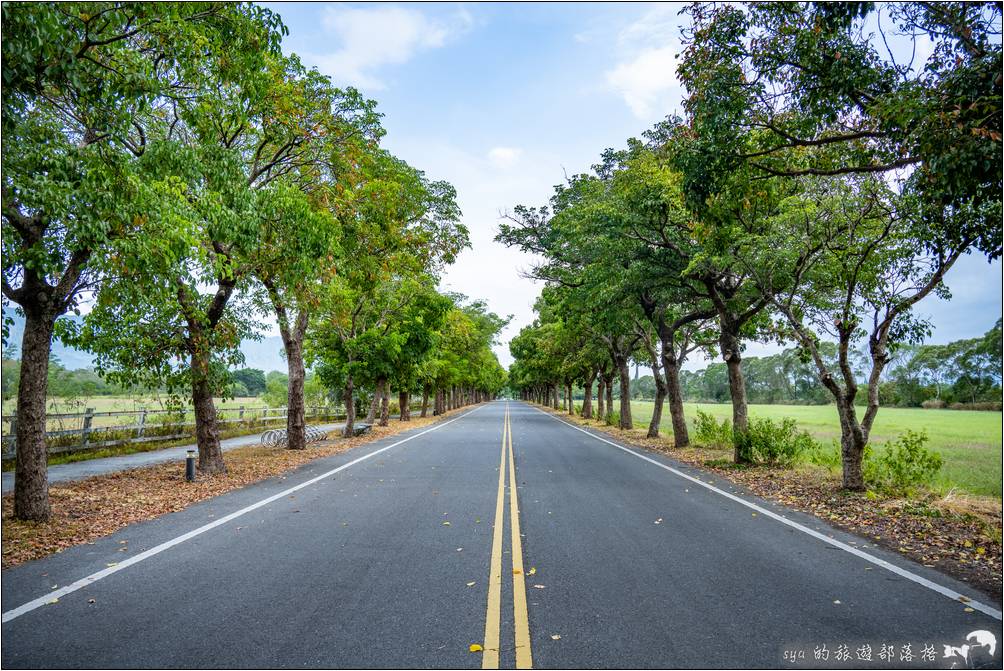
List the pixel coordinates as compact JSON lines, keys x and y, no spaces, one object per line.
{"x":645,"y":76}
{"x":504,"y":157}
{"x":369,"y":39}
{"x":648,"y":83}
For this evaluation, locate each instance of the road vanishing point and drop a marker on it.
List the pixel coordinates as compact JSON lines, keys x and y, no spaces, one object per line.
{"x":503,"y":537}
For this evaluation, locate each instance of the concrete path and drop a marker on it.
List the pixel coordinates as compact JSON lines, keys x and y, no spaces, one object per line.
{"x":78,"y":470}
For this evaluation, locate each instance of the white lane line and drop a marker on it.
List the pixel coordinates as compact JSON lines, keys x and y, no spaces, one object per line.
{"x":104,"y":573}
{"x":902,"y":572}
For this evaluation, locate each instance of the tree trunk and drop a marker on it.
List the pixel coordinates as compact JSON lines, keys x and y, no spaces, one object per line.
{"x":425,"y":402}
{"x":571,"y":401}
{"x":852,"y":446}
{"x":207,"y":431}
{"x":296,"y":423}
{"x":587,"y":396}
{"x":554,"y":396}
{"x":374,"y":404}
{"x":350,"y":408}
{"x":610,"y":395}
{"x":625,"y":409}
{"x":681,"y":438}
{"x":660,"y":399}
{"x":384,"y":402}
{"x":601,"y":389}
{"x":729,"y":343}
{"x":31,"y":479}
{"x":403,"y":402}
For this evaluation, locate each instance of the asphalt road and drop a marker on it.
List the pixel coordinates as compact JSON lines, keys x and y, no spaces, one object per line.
{"x":629,"y":560}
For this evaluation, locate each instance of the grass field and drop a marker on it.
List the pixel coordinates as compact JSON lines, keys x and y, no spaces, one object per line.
{"x":969,"y":441}
{"x":119,"y":403}
{"x":55,"y":406}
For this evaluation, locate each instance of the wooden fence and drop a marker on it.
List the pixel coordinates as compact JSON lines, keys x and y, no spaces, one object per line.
{"x":70,"y":432}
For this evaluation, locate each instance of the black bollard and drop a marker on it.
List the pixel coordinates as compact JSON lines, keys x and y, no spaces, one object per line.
{"x":190,"y":466}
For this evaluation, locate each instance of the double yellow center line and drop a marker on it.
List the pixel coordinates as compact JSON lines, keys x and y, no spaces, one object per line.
{"x":493,"y":619}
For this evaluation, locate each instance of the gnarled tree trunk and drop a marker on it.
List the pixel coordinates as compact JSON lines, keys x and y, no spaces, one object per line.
{"x":31,"y":484}
{"x":587,"y":395}
{"x":384,"y":402}
{"x":403,"y":402}
{"x":296,"y":422}
{"x":729,"y":343}
{"x":625,"y":401}
{"x":350,"y":408}
{"x":681,"y":437}
{"x":601,"y":390}
{"x":609,"y":379}
{"x":207,"y":430}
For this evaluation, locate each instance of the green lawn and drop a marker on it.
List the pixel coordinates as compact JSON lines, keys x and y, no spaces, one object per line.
{"x":969,"y":441}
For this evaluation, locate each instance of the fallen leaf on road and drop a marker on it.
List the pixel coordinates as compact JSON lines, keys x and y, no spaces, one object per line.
{"x":471,"y":583}
{"x":659,"y":521}
{"x":837,"y":601}
{"x":475,"y":648}
{"x":446,"y":524}
{"x":555,"y":637}
{"x":968,"y":610}
{"x":460,"y":549}
{"x":539,"y":586}
{"x":516,"y":571}
{"x":114,"y":563}
{"x":964,"y":599}
{"x":90,"y":601}
{"x":54,"y":601}
{"x":532,"y":571}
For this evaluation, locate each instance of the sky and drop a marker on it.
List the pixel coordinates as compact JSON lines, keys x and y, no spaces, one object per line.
{"x":505,"y":100}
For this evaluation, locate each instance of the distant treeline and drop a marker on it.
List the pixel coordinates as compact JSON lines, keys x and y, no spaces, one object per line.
{"x":961,"y":372}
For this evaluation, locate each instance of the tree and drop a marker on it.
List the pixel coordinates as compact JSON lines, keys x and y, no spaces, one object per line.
{"x":788,"y":99}
{"x":252,"y":379}
{"x":84,"y":86}
{"x":397,"y":225}
{"x":868,"y":274}
{"x":190,"y":307}
{"x":314,"y":155}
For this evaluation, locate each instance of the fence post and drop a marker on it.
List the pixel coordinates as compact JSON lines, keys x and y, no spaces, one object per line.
{"x":142,"y":423}
{"x":88,"y":419}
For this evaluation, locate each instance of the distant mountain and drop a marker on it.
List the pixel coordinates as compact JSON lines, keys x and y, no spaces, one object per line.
{"x":265,"y":354}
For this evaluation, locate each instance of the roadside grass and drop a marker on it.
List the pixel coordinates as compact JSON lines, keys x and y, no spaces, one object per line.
{"x":969,"y":440}
{"x":85,"y":510}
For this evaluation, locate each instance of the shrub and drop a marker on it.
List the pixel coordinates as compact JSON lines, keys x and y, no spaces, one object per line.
{"x":903,"y":465}
{"x":578,"y":409}
{"x":822,"y":456}
{"x":933,"y":404}
{"x":710,"y":433}
{"x":613,"y":418}
{"x":775,"y":444}
{"x":985,"y":405}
